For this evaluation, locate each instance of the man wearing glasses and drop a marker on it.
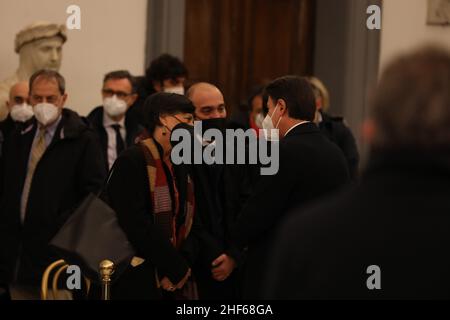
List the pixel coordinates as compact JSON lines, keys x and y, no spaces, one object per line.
{"x":116,"y":130}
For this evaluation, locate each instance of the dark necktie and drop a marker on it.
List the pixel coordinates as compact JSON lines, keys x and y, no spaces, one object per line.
{"x":120,"y":144}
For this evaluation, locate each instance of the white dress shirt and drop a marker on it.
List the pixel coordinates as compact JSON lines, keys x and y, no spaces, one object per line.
{"x":296,"y":125}
{"x":112,"y":149}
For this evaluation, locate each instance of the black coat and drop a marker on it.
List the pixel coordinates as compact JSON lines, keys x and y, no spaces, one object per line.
{"x":68,"y":171}
{"x":128,"y":193}
{"x":7,"y":127}
{"x":144,"y":89}
{"x":220,"y":193}
{"x":132,"y":127}
{"x":239,"y":120}
{"x":335,"y":129}
{"x":310,"y":166}
{"x":397,"y":218}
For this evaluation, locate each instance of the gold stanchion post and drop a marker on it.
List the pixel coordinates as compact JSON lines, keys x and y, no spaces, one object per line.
{"x":106,"y":269}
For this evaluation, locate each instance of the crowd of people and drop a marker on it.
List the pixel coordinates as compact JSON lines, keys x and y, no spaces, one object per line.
{"x":222,"y":231}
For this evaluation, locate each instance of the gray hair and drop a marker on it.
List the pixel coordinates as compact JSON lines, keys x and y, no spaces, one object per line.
{"x":49,"y":75}
{"x":411,"y":104}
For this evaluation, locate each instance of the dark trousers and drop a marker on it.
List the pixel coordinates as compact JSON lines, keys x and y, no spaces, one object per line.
{"x":210,"y":289}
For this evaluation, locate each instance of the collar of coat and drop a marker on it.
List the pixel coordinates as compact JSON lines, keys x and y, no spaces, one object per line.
{"x":308,"y":127}
{"x":132,"y":126}
{"x":70,"y":127}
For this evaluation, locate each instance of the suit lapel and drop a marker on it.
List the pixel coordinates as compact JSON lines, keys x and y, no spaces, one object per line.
{"x":59,"y":135}
{"x":97,"y":123}
{"x":133,"y":129}
{"x":103,"y":137}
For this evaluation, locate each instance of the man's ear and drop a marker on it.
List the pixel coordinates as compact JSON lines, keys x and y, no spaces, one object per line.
{"x":157,"y":86}
{"x":64,"y":99}
{"x":132,"y":99}
{"x":283,"y":108}
{"x":368,"y":131}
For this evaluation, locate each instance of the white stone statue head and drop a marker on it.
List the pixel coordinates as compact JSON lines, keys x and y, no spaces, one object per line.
{"x":39,"y":46}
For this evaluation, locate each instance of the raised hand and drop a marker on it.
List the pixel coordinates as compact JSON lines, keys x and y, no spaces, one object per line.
{"x":222,"y":267}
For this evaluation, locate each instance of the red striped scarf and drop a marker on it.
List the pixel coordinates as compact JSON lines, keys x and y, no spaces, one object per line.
{"x":165,"y":211}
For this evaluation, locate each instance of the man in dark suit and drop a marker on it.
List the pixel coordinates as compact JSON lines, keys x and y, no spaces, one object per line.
{"x":20,"y":112}
{"x":20,"y":115}
{"x":116,"y":130}
{"x":50,"y":167}
{"x":220,"y":190}
{"x":388,"y":237}
{"x":309,"y":166}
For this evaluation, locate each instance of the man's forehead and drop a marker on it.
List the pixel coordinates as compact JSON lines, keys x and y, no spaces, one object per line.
{"x":177,"y":79}
{"x":19,"y":90}
{"x":122,"y":84}
{"x":210,"y":98}
{"x":44,"y":85}
{"x":20,"y":94}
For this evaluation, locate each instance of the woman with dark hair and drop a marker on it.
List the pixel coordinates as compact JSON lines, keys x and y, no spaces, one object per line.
{"x":154,"y":202}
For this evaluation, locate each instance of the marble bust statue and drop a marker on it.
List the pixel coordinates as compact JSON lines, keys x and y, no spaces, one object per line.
{"x":39,"y":46}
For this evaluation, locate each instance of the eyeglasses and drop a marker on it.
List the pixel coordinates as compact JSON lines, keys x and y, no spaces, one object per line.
{"x":188,"y":119}
{"x":120,"y":94}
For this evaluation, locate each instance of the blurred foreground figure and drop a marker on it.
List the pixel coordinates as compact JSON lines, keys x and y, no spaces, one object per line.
{"x":387,"y":238}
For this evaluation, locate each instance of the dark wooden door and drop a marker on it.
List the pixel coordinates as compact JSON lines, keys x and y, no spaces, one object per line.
{"x":237,"y":44}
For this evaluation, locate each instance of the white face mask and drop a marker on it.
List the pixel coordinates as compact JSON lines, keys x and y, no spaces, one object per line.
{"x":178,"y":90}
{"x":114,"y":106}
{"x":259,"y":119}
{"x":21,"y":112}
{"x":271,"y":132}
{"x":46,"y":113}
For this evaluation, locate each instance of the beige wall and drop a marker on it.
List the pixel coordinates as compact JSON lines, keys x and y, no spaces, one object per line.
{"x":404,"y":27}
{"x":112,"y":36}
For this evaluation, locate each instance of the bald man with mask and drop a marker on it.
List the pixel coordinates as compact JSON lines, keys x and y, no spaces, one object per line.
{"x":208,"y":100}
{"x":19,"y":111}
{"x":220,"y":190}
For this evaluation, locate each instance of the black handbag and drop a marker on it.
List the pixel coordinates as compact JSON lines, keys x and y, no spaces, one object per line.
{"x":92,"y":234}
